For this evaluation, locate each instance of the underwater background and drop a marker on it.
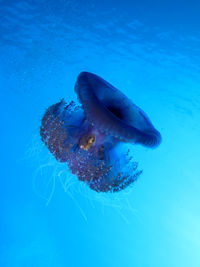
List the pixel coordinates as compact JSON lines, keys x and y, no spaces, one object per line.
{"x":150,"y":50}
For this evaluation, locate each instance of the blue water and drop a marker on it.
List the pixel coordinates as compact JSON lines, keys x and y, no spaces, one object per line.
{"x":150,"y":50}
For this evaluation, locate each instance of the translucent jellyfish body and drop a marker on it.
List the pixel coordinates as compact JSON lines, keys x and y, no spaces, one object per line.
{"x":88,"y":137}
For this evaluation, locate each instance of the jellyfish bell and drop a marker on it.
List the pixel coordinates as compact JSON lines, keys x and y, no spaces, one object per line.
{"x":87,"y":136}
{"x":111,"y":111}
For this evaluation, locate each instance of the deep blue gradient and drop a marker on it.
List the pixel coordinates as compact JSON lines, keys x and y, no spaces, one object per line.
{"x":151,"y":52}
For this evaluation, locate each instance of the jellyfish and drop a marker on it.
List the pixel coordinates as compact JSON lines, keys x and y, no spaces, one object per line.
{"x":88,"y":137}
